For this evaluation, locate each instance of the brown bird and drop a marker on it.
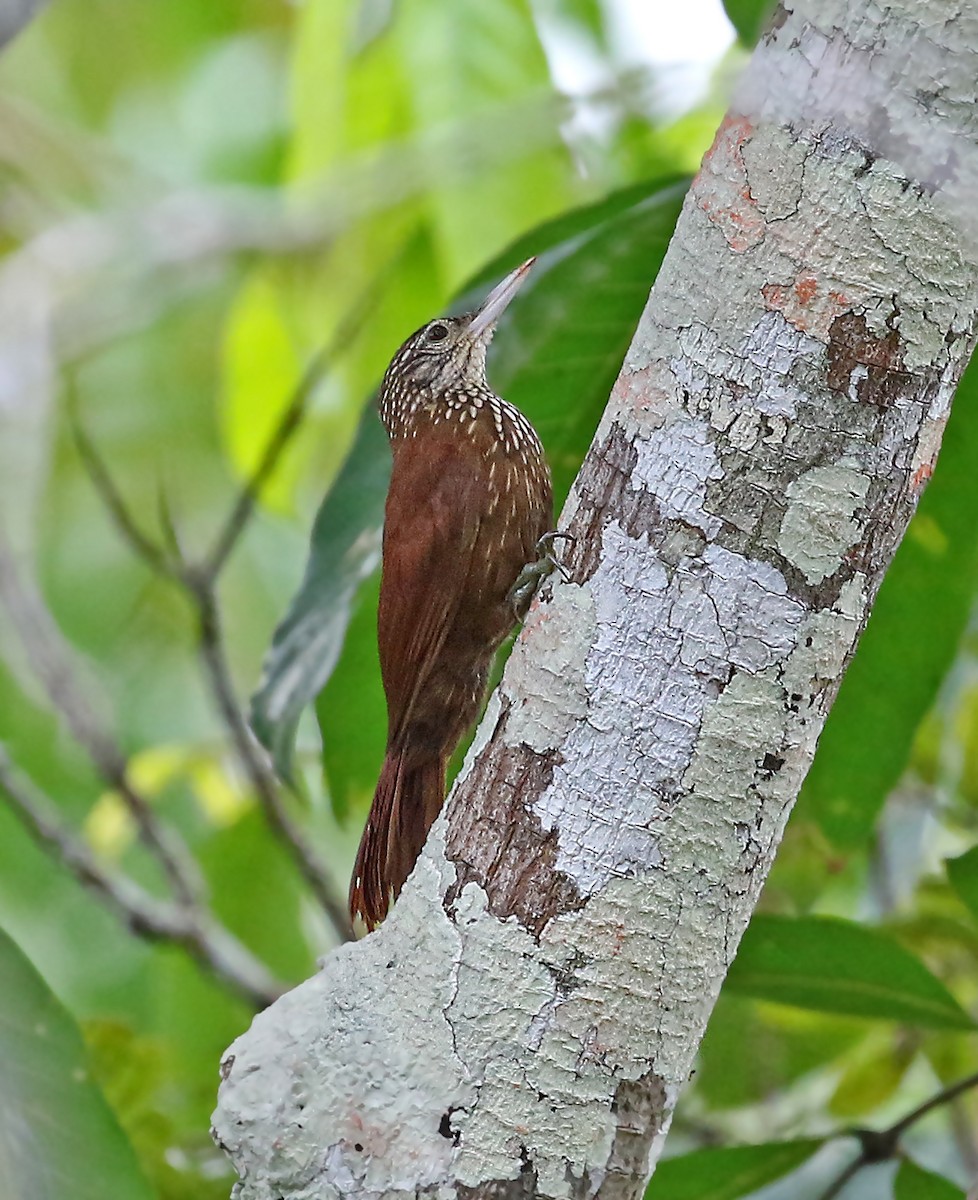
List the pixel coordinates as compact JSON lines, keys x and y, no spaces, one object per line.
{"x":468,"y":510}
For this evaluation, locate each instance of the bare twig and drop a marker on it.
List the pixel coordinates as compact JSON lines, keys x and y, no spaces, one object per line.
{"x":252,"y":757}
{"x":199,"y":584}
{"x":199,"y":581}
{"x":111,"y":497}
{"x":881,"y":1145}
{"x":148,"y":916}
{"x":51,"y":660}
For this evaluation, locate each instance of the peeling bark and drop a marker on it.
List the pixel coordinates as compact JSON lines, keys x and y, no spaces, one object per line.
{"x":524,"y":1021}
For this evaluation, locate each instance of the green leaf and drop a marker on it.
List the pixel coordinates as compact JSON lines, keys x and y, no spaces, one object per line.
{"x":352,"y":714}
{"x":749,"y":18}
{"x":345,"y":550}
{"x":870,"y":1079}
{"x":914,"y":1183}
{"x":556,"y":356}
{"x":753,"y":1049}
{"x":963,"y":875}
{"x":831,"y":965}
{"x":727,"y":1173}
{"x":909,"y":644}
{"x":59,"y":1140}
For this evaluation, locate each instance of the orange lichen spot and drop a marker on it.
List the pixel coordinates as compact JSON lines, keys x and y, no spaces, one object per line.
{"x":806,"y":288}
{"x":722,"y":190}
{"x":773,"y":294}
{"x":805,"y":305}
{"x":921,"y":476}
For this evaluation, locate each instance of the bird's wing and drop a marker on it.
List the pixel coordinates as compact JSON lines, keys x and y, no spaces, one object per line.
{"x":431,"y":526}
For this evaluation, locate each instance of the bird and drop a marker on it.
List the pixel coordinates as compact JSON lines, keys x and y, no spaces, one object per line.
{"x":467,"y":536}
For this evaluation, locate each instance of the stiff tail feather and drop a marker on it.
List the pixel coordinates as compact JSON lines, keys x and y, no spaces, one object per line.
{"x":405,"y":804}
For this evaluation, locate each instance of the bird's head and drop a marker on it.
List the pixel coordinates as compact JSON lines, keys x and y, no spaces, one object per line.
{"x":450,"y":352}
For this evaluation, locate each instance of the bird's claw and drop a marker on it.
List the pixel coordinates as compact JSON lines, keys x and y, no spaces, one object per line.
{"x":528,"y":580}
{"x":545,"y":550}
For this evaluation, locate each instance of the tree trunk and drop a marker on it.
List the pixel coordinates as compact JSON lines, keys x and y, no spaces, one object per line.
{"x":524,"y":1021}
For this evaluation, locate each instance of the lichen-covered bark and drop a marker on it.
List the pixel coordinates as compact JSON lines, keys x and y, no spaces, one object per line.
{"x":524,"y":1021}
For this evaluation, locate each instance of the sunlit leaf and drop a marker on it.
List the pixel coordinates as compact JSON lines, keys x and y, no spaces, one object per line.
{"x":262,"y":366}
{"x":58,"y":1137}
{"x":869,"y":1080}
{"x":963,"y":874}
{"x":478,"y":84}
{"x":910,"y":642}
{"x":831,"y":965}
{"x":725,"y":1174}
{"x":914,"y":1183}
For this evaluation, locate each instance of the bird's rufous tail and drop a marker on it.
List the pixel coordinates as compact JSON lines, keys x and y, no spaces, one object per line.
{"x":406,"y":802}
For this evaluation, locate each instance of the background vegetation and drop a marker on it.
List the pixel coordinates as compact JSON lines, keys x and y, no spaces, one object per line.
{"x":195,"y":201}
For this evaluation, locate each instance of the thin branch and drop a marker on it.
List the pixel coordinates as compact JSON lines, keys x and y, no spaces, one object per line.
{"x":840,"y":1181}
{"x":144,"y":914}
{"x":51,"y":661}
{"x":199,"y":581}
{"x":252,"y":757}
{"x":199,"y":584}
{"x":881,"y":1145}
{"x":938,"y":1100}
{"x":105,"y":487}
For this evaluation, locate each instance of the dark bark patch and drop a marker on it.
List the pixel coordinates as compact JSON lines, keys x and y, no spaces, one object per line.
{"x":523,"y":1187}
{"x":496,"y":841}
{"x":606,"y":488}
{"x":851,"y":345}
{"x":607,"y":491}
{"x":638,"y":1107}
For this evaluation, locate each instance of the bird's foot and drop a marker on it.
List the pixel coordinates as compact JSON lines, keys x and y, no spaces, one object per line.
{"x":533,"y":574}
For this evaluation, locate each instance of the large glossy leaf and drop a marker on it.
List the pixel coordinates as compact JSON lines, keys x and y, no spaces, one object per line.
{"x":725,"y":1174}
{"x":556,"y":356}
{"x":909,"y":644}
{"x":963,"y":874}
{"x":831,"y":965}
{"x":749,"y":18}
{"x":58,"y":1138}
{"x":914,"y":1183}
{"x":345,"y":550}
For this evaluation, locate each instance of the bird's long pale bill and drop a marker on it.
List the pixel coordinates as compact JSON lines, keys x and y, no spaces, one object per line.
{"x":498,"y":299}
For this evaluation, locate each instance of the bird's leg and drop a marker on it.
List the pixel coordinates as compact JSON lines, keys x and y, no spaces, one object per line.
{"x":529,"y":579}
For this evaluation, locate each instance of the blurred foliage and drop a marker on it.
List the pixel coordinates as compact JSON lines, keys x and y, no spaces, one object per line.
{"x":193,"y":198}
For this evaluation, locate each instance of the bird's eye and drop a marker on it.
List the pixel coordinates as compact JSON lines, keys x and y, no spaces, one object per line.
{"x":437,"y":332}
